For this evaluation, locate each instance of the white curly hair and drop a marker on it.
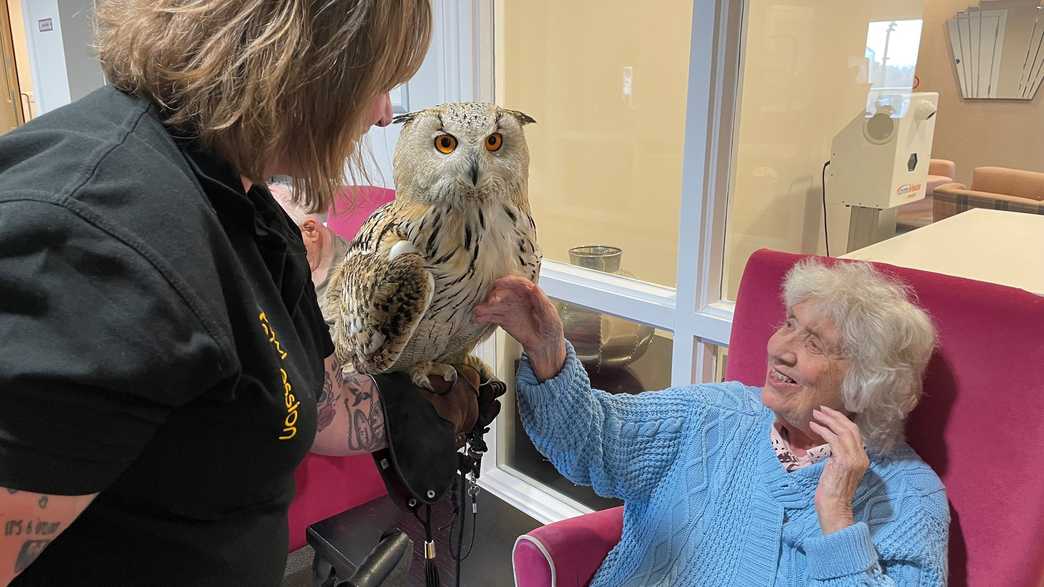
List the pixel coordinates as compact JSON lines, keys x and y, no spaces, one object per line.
{"x":283,"y":192}
{"x":885,"y":336}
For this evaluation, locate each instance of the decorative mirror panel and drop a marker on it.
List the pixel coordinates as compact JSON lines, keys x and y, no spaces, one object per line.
{"x":998,"y":49}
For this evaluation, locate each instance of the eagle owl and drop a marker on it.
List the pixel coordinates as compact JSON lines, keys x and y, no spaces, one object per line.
{"x":403,"y":295}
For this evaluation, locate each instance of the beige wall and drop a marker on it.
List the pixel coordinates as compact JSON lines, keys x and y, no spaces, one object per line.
{"x":25,"y":78}
{"x":803,"y":81}
{"x":606,"y":168}
{"x":974,"y":133}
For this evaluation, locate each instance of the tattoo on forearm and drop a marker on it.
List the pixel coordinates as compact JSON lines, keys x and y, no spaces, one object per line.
{"x":362,"y":431}
{"x":30,"y":550}
{"x":365,"y":420}
{"x":30,"y":528}
{"x":326,"y":403}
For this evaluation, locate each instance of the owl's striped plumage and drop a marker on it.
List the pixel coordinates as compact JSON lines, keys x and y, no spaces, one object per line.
{"x":404,"y":293}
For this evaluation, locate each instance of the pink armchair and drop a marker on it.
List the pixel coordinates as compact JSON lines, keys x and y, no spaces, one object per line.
{"x":979,"y":426}
{"x":327,"y":486}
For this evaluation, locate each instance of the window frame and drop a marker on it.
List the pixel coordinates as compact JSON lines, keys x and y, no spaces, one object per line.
{"x":694,"y":312}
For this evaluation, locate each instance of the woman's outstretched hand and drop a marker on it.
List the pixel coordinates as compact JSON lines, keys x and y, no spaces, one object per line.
{"x":519,"y":307}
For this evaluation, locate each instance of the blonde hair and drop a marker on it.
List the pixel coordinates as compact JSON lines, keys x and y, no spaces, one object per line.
{"x":264,"y":81}
{"x":885,"y":336}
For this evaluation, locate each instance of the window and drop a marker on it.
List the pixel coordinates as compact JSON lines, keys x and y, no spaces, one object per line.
{"x":595,"y":75}
{"x":809,"y":71}
{"x":767,"y":86}
{"x":623,"y":182}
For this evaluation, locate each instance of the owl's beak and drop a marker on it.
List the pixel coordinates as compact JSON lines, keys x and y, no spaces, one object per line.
{"x":474,"y":172}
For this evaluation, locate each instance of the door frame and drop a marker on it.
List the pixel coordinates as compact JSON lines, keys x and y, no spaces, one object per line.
{"x":10,"y":63}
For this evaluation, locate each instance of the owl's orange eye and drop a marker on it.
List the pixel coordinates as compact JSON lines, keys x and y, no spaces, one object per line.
{"x":494,"y":142}
{"x":446,"y":144}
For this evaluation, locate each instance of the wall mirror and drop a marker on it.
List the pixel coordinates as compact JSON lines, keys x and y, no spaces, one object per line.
{"x":998,"y":49}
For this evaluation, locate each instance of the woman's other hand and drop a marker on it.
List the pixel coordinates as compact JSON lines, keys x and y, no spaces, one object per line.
{"x":519,"y":307}
{"x":843,"y":471}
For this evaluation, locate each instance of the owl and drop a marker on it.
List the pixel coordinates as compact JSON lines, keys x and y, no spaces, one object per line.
{"x":403,"y":295}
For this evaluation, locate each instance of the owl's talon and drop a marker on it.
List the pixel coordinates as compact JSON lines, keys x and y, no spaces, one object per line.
{"x":420,"y":374}
{"x":421,"y":380}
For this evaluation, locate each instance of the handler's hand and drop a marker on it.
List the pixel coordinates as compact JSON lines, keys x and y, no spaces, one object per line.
{"x":843,"y":471}
{"x":518,"y":306}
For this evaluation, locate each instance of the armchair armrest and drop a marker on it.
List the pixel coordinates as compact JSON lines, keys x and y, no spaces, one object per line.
{"x":568,"y":552}
{"x":954,"y":198}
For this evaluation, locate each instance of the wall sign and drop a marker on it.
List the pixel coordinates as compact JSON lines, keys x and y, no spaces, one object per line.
{"x":46,"y":24}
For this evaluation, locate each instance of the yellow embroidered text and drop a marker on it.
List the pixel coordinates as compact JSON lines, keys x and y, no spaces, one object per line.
{"x":292,"y":405}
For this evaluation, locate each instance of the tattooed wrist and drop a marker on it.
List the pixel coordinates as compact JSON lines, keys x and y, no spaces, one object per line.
{"x":326,"y":405}
{"x":365,"y":417}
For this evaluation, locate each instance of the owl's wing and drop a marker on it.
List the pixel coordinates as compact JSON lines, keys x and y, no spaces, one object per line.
{"x":377,"y":295}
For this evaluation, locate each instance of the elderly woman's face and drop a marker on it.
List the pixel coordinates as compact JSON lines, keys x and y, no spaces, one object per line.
{"x":805,"y":368}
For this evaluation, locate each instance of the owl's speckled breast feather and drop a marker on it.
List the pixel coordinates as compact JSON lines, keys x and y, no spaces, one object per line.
{"x":405,"y":293}
{"x":466,"y":252}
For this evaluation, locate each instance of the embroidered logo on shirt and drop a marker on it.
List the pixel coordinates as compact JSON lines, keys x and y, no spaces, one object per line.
{"x":292,"y":405}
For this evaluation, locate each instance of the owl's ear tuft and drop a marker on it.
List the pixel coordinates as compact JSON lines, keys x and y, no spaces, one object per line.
{"x":522,"y":118}
{"x":405,"y":118}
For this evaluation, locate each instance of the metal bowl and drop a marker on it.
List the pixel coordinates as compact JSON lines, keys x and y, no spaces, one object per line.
{"x":602,"y":340}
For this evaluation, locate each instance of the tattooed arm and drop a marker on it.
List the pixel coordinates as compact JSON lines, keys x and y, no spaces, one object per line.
{"x":29,"y":522}
{"x":350,"y":418}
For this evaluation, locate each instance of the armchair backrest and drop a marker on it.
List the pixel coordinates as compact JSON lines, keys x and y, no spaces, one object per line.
{"x":943,"y":168}
{"x":353,"y":205}
{"x":980,"y":424}
{"x":1013,"y":182}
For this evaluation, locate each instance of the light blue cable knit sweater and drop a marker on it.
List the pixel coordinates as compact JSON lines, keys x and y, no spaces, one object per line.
{"x":707,"y":502}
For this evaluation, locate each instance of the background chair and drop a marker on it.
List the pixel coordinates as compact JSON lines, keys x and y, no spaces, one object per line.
{"x":978,"y":425}
{"x":998,"y":188}
{"x":353,"y":205}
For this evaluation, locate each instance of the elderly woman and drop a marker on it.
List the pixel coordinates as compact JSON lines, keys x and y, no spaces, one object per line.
{"x":804,"y":481}
{"x":323,"y":248}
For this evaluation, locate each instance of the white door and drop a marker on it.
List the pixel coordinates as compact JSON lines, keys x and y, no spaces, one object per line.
{"x":47,"y":54}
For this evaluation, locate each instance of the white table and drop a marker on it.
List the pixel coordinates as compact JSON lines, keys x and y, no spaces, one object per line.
{"x":987,"y":245}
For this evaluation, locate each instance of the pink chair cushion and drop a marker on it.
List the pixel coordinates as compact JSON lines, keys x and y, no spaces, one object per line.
{"x":979,"y":424}
{"x":568,"y":552}
{"x":327,"y":486}
{"x":533,"y":567}
{"x":353,"y":205}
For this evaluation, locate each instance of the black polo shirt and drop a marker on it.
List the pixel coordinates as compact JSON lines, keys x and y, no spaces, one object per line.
{"x":160,"y":343}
